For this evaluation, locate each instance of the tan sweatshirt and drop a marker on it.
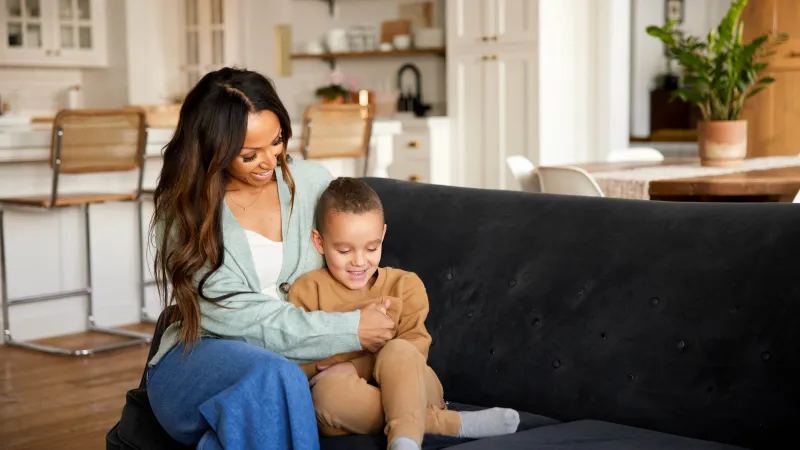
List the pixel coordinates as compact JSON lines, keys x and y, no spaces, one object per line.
{"x":319,"y":291}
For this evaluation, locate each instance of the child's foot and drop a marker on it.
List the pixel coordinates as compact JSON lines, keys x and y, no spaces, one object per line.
{"x":489,"y":422}
{"x":403,"y":443}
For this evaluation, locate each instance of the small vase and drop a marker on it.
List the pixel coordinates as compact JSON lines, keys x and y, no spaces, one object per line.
{"x":722,"y":143}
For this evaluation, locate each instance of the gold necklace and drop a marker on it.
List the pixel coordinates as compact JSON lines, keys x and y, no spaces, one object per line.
{"x":244,"y":208}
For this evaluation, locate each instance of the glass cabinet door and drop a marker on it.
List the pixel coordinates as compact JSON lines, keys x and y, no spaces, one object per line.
{"x":23,"y":24}
{"x":204,"y":38}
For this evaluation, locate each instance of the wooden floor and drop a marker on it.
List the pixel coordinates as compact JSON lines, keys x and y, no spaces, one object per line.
{"x":65,"y":402}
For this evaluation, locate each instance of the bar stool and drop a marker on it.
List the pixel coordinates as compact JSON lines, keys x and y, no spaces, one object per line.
{"x":84,"y":142}
{"x":339,"y":131}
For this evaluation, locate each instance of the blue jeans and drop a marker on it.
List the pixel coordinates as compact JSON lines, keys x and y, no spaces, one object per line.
{"x":231,"y":395}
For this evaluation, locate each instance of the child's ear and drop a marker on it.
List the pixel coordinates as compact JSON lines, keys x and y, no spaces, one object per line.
{"x":317,"y":239}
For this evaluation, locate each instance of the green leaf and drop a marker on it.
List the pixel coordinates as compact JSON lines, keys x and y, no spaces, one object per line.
{"x":755,"y":91}
{"x":766,"y":80}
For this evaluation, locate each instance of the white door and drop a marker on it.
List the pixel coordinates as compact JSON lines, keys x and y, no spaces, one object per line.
{"x":469,"y":23}
{"x":467,"y":97}
{"x":512,"y":114}
{"x":515,"y":21}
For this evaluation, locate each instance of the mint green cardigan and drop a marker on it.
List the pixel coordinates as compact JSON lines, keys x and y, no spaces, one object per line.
{"x":260,"y":319}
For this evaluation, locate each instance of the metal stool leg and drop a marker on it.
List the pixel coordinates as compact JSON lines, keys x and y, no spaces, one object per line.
{"x":136,"y":338}
{"x":4,"y":285}
{"x":143,"y":282}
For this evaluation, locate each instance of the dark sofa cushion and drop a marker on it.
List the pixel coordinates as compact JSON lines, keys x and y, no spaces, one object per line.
{"x":592,"y":435}
{"x":675,"y":317}
{"x":431,"y":442}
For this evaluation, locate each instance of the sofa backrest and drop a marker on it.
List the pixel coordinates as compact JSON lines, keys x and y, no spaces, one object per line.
{"x":676,"y":317}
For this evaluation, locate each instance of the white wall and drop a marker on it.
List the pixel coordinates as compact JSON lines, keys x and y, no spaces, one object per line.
{"x":647,"y":53}
{"x":152,"y":44}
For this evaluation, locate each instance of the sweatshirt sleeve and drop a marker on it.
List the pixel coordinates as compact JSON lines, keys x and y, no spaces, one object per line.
{"x":274,"y":324}
{"x":411,"y":325}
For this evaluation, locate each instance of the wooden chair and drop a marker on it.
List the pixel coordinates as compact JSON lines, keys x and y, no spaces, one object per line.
{"x":84,"y":142}
{"x":337,"y":131}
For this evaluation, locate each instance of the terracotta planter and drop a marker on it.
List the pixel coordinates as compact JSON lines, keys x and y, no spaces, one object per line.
{"x":722,"y":143}
{"x":333,"y":101}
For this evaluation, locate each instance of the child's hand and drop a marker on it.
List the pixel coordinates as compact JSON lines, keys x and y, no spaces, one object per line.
{"x":342,"y":367}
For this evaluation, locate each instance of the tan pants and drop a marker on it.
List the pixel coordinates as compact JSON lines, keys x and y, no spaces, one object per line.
{"x":409,"y":401}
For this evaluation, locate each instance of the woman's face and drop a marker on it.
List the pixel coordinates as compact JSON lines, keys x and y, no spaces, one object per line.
{"x":256,"y":162}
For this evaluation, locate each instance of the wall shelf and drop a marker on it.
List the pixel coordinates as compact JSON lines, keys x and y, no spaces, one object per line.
{"x":331,"y":58}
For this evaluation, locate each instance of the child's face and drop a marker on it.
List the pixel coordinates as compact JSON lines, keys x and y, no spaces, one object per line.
{"x":351,"y":244}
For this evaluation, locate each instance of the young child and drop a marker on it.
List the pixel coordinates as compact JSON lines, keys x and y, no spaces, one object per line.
{"x":362,"y":392}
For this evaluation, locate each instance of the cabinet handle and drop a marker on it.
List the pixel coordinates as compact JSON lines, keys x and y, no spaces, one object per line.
{"x":494,"y":38}
{"x":414,"y":178}
{"x":485,"y":57}
{"x":48,"y":53}
{"x":485,"y":39}
{"x":413,"y":144}
{"x":494,"y":57}
{"x":794,"y":54}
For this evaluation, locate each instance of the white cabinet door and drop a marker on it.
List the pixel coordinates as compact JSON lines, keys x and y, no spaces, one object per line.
{"x":24,"y":30}
{"x":469,"y":22}
{"x":53,"y":33}
{"x":80,"y":32}
{"x":512,"y":115}
{"x":467,"y":95}
{"x":515,"y":21}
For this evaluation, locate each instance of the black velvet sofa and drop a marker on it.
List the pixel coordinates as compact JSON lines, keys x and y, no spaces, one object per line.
{"x":612,"y":324}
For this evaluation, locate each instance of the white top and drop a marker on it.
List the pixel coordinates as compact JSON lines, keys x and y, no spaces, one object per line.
{"x":268,"y":259}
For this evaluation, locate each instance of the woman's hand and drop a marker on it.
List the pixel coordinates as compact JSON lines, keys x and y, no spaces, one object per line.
{"x":342,"y":367}
{"x":375,"y":328}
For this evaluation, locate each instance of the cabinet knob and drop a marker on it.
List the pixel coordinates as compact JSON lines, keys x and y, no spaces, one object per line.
{"x":794,"y":54}
{"x":494,"y":57}
{"x":485,"y":57}
{"x":414,"y":144}
{"x":485,"y":39}
{"x":494,"y":38}
{"x":57,"y":52}
{"x":414,"y":178}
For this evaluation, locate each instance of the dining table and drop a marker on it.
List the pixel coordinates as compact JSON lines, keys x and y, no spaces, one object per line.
{"x":769,"y":179}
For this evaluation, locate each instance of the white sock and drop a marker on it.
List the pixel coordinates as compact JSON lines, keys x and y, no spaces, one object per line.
{"x":403,"y":443}
{"x":489,"y":422}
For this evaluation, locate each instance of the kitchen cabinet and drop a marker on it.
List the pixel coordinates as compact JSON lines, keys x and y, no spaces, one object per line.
{"x":492,"y":90}
{"x":422,"y":152}
{"x":53,"y":33}
{"x":773,"y":114}
{"x":474,"y":22}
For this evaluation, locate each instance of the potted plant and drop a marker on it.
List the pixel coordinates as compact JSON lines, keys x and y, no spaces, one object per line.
{"x":719,"y":75}
{"x":334,"y":92}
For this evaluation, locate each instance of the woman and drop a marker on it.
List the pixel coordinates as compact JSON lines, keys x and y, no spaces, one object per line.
{"x":239,"y":215}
